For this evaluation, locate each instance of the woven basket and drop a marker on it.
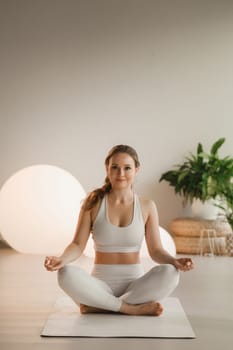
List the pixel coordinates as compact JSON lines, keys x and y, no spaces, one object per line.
{"x":194,"y":228}
{"x":229,"y":245}
{"x":194,"y":245}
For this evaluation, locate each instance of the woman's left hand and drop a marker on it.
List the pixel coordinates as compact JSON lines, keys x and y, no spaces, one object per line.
{"x":184,"y":264}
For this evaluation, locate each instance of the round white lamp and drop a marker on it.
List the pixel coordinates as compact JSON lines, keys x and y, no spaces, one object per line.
{"x":167,"y":242}
{"x":39,"y":208}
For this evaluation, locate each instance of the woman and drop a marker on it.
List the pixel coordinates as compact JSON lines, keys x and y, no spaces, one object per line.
{"x":118,"y":220}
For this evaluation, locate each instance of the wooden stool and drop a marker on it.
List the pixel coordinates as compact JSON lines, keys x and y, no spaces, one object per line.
{"x":198,"y":236}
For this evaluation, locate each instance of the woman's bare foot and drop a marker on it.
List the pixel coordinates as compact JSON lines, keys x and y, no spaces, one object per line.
{"x":151,"y":309}
{"x":148,"y":309}
{"x":85,"y":309}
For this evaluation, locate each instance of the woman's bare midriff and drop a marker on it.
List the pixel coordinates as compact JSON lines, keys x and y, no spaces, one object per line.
{"x":117,"y":258}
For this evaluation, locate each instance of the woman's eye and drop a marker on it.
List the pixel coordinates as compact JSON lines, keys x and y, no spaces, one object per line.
{"x":128,"y":168}
{"x":114,"y":167}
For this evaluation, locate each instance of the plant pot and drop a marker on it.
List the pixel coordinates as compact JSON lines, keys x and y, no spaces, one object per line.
{"x":206,"y":210}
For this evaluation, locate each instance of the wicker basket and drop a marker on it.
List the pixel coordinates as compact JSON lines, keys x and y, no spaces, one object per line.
{"x":194,"y":245}
{"x":229,"y":244}
{"x":193,"y":227}
{"x":194,"y":236}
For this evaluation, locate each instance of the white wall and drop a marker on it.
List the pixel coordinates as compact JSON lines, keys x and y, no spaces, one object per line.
{"x":79,"y":76}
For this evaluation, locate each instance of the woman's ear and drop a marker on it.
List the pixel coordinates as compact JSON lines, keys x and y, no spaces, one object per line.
{"x":137,"y":170}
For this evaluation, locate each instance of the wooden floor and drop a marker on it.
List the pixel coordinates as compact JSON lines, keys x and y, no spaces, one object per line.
{"x":28,"y":292}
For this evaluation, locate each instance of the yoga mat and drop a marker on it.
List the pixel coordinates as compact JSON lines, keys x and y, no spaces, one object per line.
{"x":66,"y":321}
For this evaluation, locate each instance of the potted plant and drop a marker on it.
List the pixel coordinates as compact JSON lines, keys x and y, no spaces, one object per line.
{"x":202,"y":176}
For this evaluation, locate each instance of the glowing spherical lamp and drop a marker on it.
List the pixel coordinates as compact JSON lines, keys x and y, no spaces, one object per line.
{"x":167,"y":242}
{"x":39,"y":207}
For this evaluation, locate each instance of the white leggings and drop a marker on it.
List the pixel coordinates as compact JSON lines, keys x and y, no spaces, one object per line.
{"x":109,"y":285}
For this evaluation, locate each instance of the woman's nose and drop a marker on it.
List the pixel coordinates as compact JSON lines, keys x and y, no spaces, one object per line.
{"x":121,"y":171}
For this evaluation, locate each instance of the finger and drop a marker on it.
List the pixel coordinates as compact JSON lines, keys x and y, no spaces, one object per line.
{"x":51,"y":268}
{"x":190,"y":264}
{"x":55,"y":268}
{"x":181,"y":267}
{"x":56,"y":265}
{"x":46,"y":263}
{"x":188,"y":267}
{"x":48,"y":260}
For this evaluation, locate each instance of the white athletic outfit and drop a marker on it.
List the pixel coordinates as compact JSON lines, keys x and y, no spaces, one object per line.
{"x":109,"y":285}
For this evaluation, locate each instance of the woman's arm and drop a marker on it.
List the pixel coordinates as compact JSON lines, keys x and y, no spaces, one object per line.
{"x":154,"y":244}
{"x":74,"y":250}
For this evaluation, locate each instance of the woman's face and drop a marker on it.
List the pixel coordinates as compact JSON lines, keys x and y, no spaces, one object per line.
{"x":121,"y":170}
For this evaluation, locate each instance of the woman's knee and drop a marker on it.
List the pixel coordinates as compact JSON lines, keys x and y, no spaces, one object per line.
{"x":66,"y":274}
{"x":62,"y":275}
{"x":168,"y":273}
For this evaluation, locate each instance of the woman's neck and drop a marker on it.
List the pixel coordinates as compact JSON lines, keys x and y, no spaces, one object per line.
{"x":122,"y":196}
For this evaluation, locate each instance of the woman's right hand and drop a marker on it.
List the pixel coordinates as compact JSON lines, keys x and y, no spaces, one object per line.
{"x":53,"y":263}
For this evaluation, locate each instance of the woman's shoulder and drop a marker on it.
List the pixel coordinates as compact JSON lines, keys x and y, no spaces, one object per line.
{"x":146,"y":201}
{"x":147,"y":204}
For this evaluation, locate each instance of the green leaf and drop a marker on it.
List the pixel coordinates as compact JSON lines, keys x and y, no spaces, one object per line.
{"x":216,"y":146}
{"x":199,"y":148}
{"x":182,"y":176}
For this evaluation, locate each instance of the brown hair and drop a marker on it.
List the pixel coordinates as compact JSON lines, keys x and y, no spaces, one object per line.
{"x":99,"y":193}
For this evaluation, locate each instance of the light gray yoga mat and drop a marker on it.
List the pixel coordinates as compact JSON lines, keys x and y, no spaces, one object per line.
{"x":66,"y":321}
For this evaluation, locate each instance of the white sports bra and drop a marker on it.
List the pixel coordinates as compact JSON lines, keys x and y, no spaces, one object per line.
{"x":110,"y":238}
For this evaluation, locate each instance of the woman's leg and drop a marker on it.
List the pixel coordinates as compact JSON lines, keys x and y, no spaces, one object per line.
{"x":118,"y":278}
{"x":155,"y":285}
{"x":86,"y":289}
